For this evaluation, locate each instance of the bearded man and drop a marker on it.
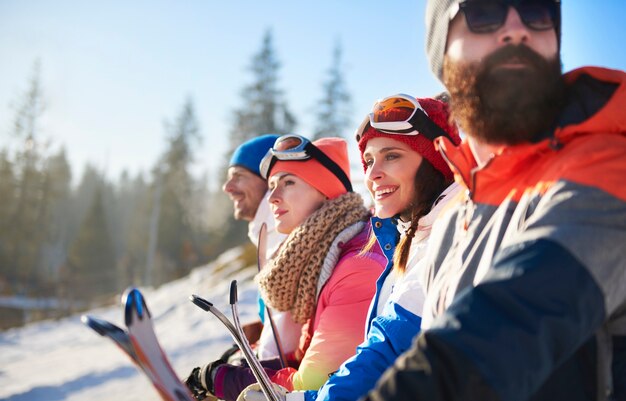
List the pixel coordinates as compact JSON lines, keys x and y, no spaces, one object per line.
{"x":526,"y":285}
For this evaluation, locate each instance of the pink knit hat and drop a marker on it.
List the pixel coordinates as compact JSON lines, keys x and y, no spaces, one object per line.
{"x":314,"y":173}
{"x":438,"y":112}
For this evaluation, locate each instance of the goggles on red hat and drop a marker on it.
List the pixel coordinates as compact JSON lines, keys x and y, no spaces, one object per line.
{"x":484,"y":16}
{"x":417,"y":123}
{"x":292,"y":147}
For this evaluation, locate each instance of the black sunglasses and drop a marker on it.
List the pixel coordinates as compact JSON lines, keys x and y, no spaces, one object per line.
{"x":485,"y":16}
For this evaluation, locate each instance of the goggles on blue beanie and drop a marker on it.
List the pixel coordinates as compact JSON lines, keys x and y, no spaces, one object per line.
{"x":250,"y":153}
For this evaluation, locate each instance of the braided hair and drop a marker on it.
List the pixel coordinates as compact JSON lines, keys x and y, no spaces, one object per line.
{"x":429,"y":183}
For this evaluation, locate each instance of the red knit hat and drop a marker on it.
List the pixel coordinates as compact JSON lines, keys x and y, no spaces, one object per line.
{"x":439,"y":113}
{"x":314,"y":173}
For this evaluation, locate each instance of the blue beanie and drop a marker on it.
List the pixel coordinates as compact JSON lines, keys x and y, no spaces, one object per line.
{"x":250,"y":153}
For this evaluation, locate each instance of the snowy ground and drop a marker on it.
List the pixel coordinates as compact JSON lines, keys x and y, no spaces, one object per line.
{"x":64,"y":360}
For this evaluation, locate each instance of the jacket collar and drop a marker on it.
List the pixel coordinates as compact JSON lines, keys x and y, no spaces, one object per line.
{"x":606,"y":116}
{"x":386,"y":234}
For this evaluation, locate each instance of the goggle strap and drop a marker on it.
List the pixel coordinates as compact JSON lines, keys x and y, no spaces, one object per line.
{"x":426,"y":126}
{"x":406,"y":131}
{"x":269,"y":167}
{"x":329,"y":164}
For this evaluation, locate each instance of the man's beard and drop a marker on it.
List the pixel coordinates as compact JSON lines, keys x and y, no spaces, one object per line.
{"x":505,"y":106}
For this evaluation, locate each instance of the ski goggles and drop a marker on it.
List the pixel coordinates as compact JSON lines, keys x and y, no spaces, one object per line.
{"x":484,"y":16}
{"x":417,"y":123}
{"x":292,"y":147}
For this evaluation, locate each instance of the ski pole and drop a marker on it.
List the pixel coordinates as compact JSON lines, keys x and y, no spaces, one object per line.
{"x":257,"y":370}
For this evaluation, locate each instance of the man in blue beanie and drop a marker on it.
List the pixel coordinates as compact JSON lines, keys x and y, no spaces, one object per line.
{"x":248,"y":190}
{"x":244,"y":185}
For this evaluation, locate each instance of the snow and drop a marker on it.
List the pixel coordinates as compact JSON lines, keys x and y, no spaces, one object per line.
{"x":65,"y":360}
{"x":20,"y":302}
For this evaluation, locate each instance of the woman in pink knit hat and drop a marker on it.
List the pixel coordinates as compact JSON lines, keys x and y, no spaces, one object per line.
{"x":319,"y":274}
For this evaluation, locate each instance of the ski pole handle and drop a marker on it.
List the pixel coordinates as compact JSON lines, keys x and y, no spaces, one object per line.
{"x":201,"y":302}
{"x":233,"y":292}
{"x":257,"y":370}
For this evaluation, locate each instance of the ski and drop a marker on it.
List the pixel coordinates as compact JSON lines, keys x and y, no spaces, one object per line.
{"x":240,"y":339}
{"x":140,"y":343}
{"x":113,"y":332}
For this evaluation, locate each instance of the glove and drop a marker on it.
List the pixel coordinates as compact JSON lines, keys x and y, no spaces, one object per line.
{"x":200,"y":380}
{"x":253,"y":393}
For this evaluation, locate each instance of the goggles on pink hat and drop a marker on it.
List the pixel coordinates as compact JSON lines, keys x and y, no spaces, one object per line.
{"x":416,"y":123}
{"x":292,"y":147}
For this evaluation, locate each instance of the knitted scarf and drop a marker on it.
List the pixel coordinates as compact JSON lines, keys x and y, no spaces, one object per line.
{"x":289,"y":280}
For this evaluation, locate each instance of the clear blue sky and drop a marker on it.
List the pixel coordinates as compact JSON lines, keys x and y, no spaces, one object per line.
{"x":113,"y":71}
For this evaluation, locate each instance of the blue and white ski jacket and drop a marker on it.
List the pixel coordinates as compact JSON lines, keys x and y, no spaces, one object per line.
{"x":394,"y":317}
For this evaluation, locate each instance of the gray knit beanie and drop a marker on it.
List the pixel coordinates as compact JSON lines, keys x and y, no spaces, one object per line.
{"x":438,"y":16}
{"x":437,"y":22}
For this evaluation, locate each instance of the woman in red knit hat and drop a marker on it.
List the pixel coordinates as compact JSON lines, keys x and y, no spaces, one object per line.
{"x":410,"y":184}
{"x":319,"y":274}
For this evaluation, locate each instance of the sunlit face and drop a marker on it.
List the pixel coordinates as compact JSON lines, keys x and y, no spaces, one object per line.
{"x":391,"y":168}
{"x":246,"y":190}
{"x":506,"y":86}
{"x":292,"y":200}
{"x":466,"y":46}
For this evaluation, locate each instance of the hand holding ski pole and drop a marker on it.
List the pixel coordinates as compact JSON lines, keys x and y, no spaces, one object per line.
{"x":200,"y":381}
{"x":237,"y":334}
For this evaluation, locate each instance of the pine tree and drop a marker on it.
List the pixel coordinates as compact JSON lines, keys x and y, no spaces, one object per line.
{"x":7,"y":204}
{"x":264,"y":109}
{"x":24,"y":244}
{"x":172,"y":235}
{"x":130,"y":225}
{"x":55,"y":212}
{"x":91,"y":258}
{"x":333,"y":115}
